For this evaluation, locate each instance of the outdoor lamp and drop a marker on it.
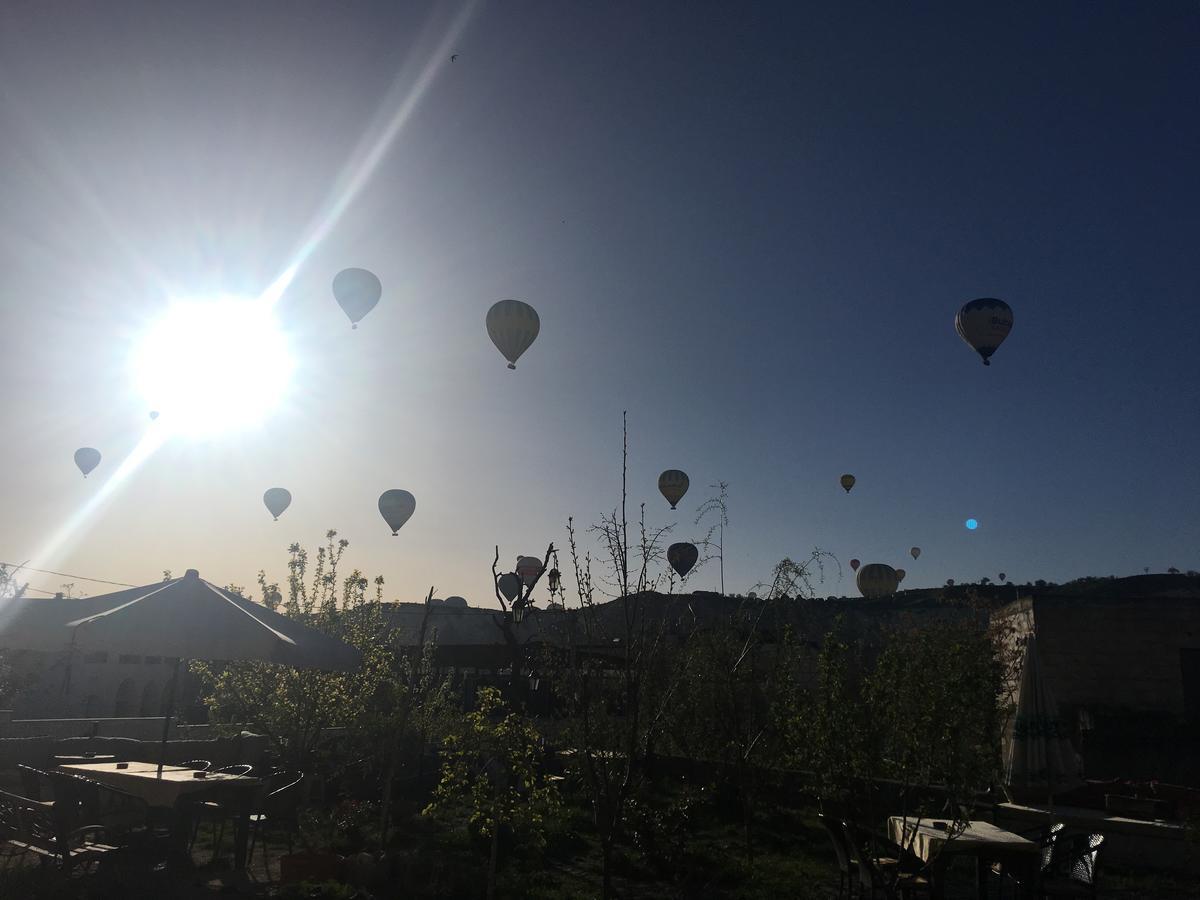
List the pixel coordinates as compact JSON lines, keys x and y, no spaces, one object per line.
{"x":555,"y":577}
{"x":518,"y":612}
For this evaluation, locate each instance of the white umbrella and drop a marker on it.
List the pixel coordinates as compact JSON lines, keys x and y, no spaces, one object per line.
{"x":1039,"y":757}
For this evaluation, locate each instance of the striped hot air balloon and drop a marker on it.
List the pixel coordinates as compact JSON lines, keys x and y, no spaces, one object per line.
{"x":877,"y":580}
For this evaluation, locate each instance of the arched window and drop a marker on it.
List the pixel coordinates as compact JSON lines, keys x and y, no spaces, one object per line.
{"x":168,"y":692}
{"x":151,"y":699}
{"x":126,"y":703}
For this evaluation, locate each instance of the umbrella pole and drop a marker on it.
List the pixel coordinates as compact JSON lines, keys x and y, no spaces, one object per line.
{"x":170,"y":708}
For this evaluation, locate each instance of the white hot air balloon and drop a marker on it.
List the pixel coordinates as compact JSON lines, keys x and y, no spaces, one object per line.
{"x":396,"y":507}
{"x":513,"y":326}
{"x":528,"y":569}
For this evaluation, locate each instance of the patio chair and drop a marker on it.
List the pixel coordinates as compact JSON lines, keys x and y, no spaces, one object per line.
{"x":47,"y":829}
{"x":280,"y":810}
{"x":1046,"y":838}
{"x":214,"y":811}
{"x":236,"y":769}
{"x":891,"y":877}
{"x":847,"y":870}
{"x":116,"y":810}
{"x":1075,"y":867}
{"x":200,"y":765}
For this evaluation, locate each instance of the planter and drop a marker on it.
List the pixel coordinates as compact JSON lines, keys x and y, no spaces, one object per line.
{"x":1138,"y":807}
{"x":309,"y":866}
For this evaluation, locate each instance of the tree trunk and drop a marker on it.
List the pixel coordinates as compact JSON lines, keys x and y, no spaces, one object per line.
{"x":606,"y":867}
{"x":495,"y":854}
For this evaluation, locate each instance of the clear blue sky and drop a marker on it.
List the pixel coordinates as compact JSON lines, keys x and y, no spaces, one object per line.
{"x":749,"y":225}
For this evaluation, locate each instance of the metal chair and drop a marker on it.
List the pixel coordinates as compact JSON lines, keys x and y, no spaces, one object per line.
{"x":214,"y":811}
{"x":200,"y":765}
{"x":280,"y":808}
{"x":847,"y":870}
{"x":1075,"y":866}
{"x":1046,"y":838}
{"x":882,"y":874}
{"x":236,"y":769}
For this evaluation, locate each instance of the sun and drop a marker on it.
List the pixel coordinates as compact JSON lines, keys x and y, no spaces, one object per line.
{"x":212,"y":366}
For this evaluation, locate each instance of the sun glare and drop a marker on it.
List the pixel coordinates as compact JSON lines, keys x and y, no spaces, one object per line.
{"x":212,"y":366}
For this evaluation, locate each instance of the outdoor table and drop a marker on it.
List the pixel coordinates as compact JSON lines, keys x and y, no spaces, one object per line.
{"x":982,"y":840}
{"x":172,"y":789}
{"x":83,"y":758}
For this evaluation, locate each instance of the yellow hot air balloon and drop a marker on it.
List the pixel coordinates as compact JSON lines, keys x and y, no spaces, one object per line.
{"x":673,"y":484}
{"x":513,"y":326}
{"x":848,"y":482}
{"x":876,"y":580}
{"x":984,"y":324}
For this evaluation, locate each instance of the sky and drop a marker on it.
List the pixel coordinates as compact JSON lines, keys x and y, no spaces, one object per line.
{"x":748,"y":225}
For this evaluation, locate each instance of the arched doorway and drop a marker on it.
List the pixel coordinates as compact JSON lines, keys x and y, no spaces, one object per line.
{"x":126,"y":702}
{"x":151,"y":699}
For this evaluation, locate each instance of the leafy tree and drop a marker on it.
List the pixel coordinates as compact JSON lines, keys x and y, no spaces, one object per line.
{"x":491,"y":777}
{"x":924,"y":714}
{"x":393,"y":694}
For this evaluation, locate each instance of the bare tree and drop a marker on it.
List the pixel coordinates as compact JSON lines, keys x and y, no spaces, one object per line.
{"x":715,"y":506}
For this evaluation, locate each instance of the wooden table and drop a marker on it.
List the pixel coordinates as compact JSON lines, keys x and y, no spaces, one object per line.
{"x":982,"y":840}
{"x":172,"y":791}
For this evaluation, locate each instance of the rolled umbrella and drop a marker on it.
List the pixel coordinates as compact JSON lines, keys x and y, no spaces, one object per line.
{"x":1038,"y":755}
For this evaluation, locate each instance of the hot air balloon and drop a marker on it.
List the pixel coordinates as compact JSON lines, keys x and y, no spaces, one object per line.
{"x":877,"y":580}
{"x":673,"y":484}
{"x":900,"y":573}
{"x":682,"y":557}
{"x":513,"y":326}
{"x":277,"y":500}
{"x":1003,"y":577}
{"x":357,"y":291}
{"x":87,"y":458}
{"x":984,"y":324}
{"x":848,"y":482}
{"x":854,"y":564}
{"x":510,"y":585}
{"x":396,"y":507}
{"x":153,"y":414}
{"x":528,"y":569}
{"x":915,"y":552}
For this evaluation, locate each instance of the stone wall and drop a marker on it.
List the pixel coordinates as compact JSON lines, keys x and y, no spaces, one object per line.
{"x":1119,"y":654}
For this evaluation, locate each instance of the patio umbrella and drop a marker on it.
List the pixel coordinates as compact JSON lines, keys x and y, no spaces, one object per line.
{"x":1038,"y":756}
{"x":186,"y":618}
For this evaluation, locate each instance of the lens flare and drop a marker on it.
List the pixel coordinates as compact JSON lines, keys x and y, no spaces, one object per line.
{"x":972,"y":524}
